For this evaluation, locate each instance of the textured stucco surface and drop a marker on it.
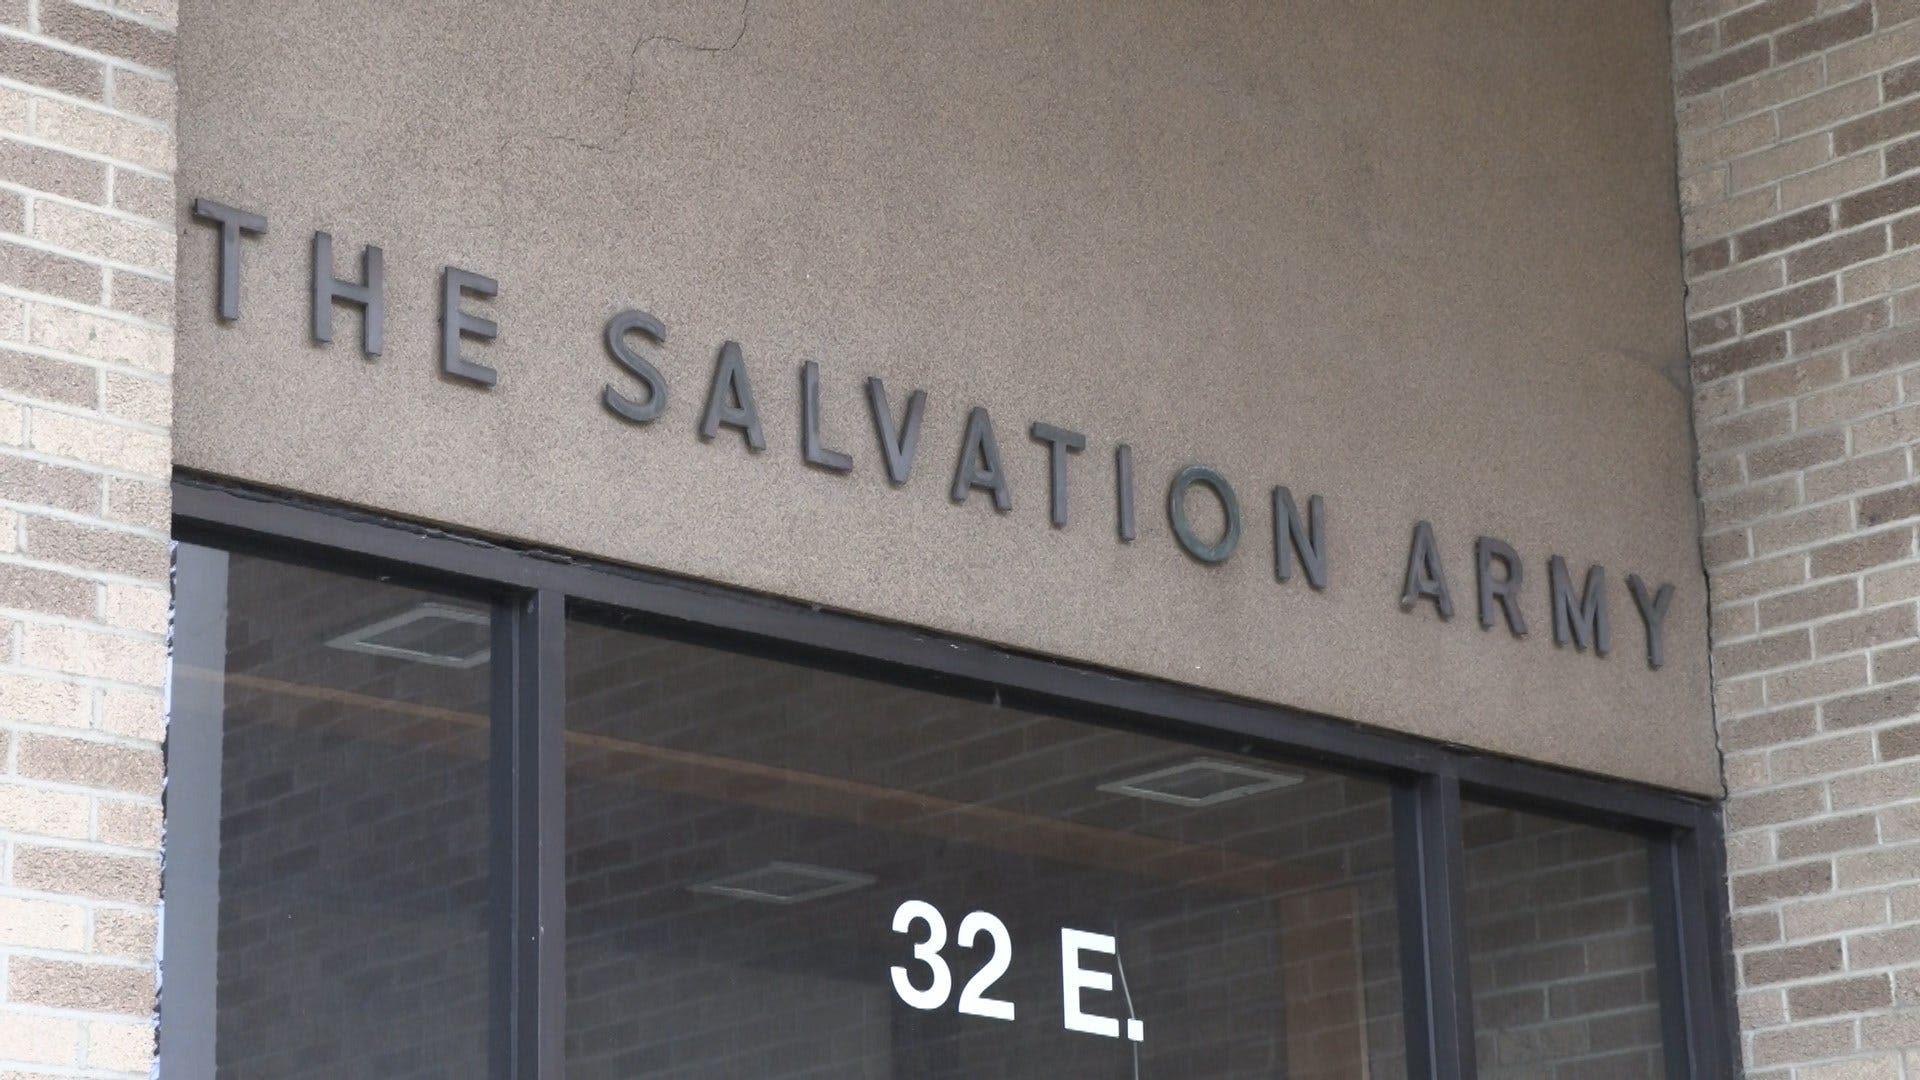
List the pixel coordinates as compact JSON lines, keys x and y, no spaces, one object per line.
{"x":1419,"y":259}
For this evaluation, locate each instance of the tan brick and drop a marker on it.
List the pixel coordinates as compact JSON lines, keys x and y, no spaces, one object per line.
{"x":1703,"y":188}
{"x":1882,"y":276}
{"x":1738,"y":212}
{"x":98,"y":337}
{"x":1824,"y":33}
{"x":1794,"y":229}
{"x":123,"y":878}
{"x":1871,"y":707}
{"x":141,"y":195}
{"x":1762,"y":654}
{"x":46,"y":379}
{"x":1691,"y":46}
{"x":1893,"y":504}
{"x":1776,"y":806}
{"x":93,"y":986}
{"x":55,"y":69}
{"x":103,"y":236}
{"x":1829,"y":107}
{"x":1717,"y":402}
{"x":1894,"y":428}
{"x":1876,"y":127}
{"x":1720,"y":474}
{"x":42,"y":924}
{"x":1827,"y":837}
{"x":45,"y":591}
{"x":1855,"y":475}
{"x":133,"y":715}
{"x":1791,"y":963}
{"x":1763,"y":18}
{"x":86,"y":653}
{"x":1793,"y":380}
{"x":1886,"y":948}
{"x":1784,"y":307}
{"x":1752,"y":928}
{"x":50,"y":170}
{"x":1698,"y":114}
{"x":1898,"y":662}
{"x":138,"y":502}
{"x":1769,"y":728}
{"x":102,"y":133}
{"x":1839,"y":327}
{"x":124,"y":933}
{"x":39,"y":1040}
{"x":135,"y":607}
{"x":1759,"y":577}
{"x":1739,"y":356}
{"x":1837,"y":253}
{"x":1876,"y":1068}
{"x":1833,"y":915}
{"x":25,"y":699}
{"x":1837,"y":996}
{"x":1822,"y":757}
{"x":1778,"y":161}
{"x":1899,"y":824}
{"x":1830,"y":182}
{"x":1711,"y":329}
{"x":143,"y":94}
{"x":1899,"y":742}
{"x":1884,"y":865}
{"x":1803,"y":528}
{"x":101,"y":442}
{"x":121,"y":1048}
{"x":1865,"y":631}
{"x":1793,"y":455}
{"x":146,"y":297}
{"x":101,"y":32}
{"x":1744,"y":430}
{"x":56,"y":487}
{"x":1803,"y":1042}
{"x":1732,"y":623}
{"x":1883,"y":786}
{"x":141,"y":400}
{"x":1862,"y":552}
{"x":1889,"y":350}
{"x":1728,"y":508}
{"x":126,"y":823}
{"x":1750,"y":59}
{"x":1878,"y":202}
{"x":85,"y":763}
{"x":57,"y":815}
{"x":97,"y":548}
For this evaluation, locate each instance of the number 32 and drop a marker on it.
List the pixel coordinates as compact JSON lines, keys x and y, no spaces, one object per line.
{"x":973,"y":999}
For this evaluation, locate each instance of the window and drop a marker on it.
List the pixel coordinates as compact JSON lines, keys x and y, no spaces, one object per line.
{"x":437,"y":809}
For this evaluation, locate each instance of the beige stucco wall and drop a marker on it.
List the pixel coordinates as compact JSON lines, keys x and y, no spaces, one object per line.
{"x":1419,"y":259}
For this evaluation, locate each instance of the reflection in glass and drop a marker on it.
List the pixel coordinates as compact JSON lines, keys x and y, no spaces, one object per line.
{"x":352,"y":788}
{"x":744,"y":836}
{"x":1560,"y":933}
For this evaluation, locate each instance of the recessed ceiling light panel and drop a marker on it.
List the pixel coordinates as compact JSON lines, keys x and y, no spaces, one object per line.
{"x":1202,"y":782}
{"x":784,"y":883}
{"x":442,"y":635}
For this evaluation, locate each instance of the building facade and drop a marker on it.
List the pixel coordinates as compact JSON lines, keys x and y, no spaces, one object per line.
{"x":715,"y":540}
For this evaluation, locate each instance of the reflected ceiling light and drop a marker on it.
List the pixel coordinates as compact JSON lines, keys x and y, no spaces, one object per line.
{"x":784,"y":883}
{"x":1202,"y":782}
{"x":443,"y":635}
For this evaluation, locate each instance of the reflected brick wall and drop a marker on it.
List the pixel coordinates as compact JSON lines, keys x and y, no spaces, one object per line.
{"x":1562,"y":953}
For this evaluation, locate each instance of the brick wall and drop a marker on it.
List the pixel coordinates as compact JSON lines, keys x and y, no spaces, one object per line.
{"x":1799,"y":148}
{"x":86,"y":299}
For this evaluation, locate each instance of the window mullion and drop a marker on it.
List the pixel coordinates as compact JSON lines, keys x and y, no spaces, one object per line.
{"x":530,"y":791}
{"x":1430,"y":858}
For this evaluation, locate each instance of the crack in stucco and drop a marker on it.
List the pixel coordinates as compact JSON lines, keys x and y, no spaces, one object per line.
{"x":633,"y":76}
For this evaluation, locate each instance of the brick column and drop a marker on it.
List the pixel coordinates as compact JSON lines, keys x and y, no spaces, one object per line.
{"x":86,"y":306}
{"x":1799,"y":143}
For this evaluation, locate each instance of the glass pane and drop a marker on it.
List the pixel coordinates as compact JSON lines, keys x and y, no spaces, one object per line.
{"x":344,"y":759}
{"x":1561,"y":935}
{"x":753,"y":849}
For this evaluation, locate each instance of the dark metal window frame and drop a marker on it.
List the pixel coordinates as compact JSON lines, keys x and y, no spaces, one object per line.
{"x":532,"y":592}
